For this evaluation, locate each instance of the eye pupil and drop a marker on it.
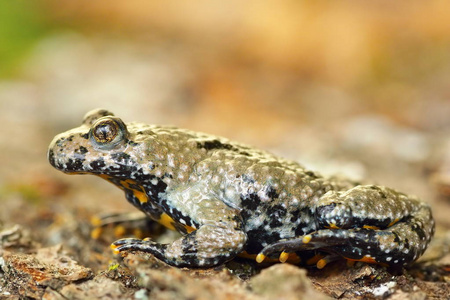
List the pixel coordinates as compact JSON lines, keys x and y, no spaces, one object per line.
{"x":105,"y":132}
{"x":108,"y":132}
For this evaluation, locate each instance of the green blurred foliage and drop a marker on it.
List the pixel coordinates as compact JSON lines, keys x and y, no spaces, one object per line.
{"x":22,"y":23}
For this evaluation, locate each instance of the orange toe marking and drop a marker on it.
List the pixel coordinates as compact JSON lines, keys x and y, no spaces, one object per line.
{"x":368,"y":259}
{"x":332,"y":226}
{"x":321,"y":263}
{"x":284,"y":257}
{"x":306,"y":239}
{"x":393,"y":222}
{"x":260,"y":258}
{"x":371,"y":227}
{"x":96,"y":233}
{"x":114,"y":249}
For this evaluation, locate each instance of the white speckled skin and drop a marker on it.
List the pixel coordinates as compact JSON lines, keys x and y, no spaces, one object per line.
{"x":227,"y":198}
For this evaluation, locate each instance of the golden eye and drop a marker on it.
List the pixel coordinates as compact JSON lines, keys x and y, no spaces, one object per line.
{"x":108,"y":132}
{"x":105,"y":131}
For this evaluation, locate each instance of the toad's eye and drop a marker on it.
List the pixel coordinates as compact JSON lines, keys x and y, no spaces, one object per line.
{"x":107,"y":132}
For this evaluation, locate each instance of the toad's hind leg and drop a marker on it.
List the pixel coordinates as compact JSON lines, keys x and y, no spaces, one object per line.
{"x":394,"y":238}
{"x":357,"y":244}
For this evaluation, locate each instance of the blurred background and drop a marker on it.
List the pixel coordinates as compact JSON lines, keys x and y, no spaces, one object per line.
{"x":359,"y":88}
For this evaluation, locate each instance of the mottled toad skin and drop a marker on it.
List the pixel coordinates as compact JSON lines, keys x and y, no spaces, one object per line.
{"x":229,"y":199}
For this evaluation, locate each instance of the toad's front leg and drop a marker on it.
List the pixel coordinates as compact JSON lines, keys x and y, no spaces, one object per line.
{"x":219,"y":238}
{"x":210,"y":245}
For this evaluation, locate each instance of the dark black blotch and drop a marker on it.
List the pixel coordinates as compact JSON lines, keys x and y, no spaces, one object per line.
{"x":218,"y":145}
{"x":272,"y":193}
{"x":214,"y":144}
{"x":82,"y":150}
{"x":98,"y":164}
{"x":60,"y":142}
{"x":255,"y":236}
{"x":311,"y":174}
{"x":277,"y":213}
{"x":160,"y":186}
{"x":419,"y":231}
{"x":189,"y":243}
{"x":74,"y":164}
{"x":132,"y":143}
{"x":249,"y":204}
{"x":380,"y":223}
{"x":121,"y":157}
